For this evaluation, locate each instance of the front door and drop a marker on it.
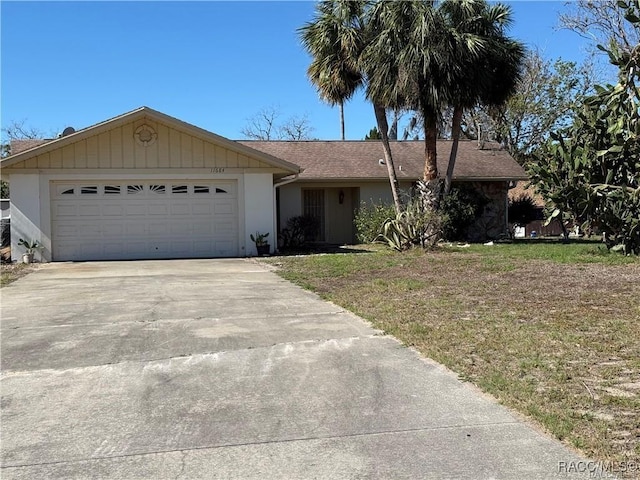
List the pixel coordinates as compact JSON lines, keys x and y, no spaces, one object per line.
{"x":313,"y":205}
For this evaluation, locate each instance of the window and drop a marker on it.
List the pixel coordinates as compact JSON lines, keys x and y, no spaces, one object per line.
{"x":219,"y":190}
{"x":158,"y":188}
{"x":68,"y":191}
{"x":179,"y":189}
{"x":200,"y":189}
{"x":112,"y":189}
{"x":89,"y":190}
{"x":133,"y":189}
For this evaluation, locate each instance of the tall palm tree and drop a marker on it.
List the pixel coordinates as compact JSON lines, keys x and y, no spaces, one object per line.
{"x":336,"y":39}
{"x":419,"y":69}
{"x":489,"y":78}
{"x":333,"y":39}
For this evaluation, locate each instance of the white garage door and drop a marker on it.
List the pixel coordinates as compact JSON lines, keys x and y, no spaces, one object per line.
{"x":144,"y":219}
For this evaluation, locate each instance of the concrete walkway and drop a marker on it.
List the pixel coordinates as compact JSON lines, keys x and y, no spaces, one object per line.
{"x":221,"y":369}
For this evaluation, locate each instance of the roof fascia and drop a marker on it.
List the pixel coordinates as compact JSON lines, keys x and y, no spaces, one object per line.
{"x":146,"y":112}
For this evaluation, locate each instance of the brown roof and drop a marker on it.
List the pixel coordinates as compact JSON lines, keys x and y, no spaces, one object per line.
{"x":22,"y":145}
{"x":359,"y":160}
{"x":526,"y":189}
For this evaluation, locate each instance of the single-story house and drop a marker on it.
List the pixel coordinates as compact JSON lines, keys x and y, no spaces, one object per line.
{"x":146,"y":185}
{"x":338,"y":175}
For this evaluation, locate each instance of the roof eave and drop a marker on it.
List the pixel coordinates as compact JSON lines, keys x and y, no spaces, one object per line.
{"x":143,"y":112}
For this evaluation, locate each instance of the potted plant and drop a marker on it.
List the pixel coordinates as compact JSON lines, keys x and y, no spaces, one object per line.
{"x":262,"y":244}
{"x":31,"y":247}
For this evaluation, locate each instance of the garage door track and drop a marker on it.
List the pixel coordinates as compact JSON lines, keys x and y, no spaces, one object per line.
{"x":221,"y":369}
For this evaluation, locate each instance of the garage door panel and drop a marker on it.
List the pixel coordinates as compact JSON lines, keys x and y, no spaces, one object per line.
{"x":202,"y":229}
{"x":158,"y":209}
{"x":136,"y":209}
{"x":223,"y":208}
{"x":66,"y":230}
{"x":202,"y":208}
{"x":136,"y":219}
{"x":65,"y":210}
{"x":180,"y":209}
{"x":110,"y":210}
{"x":85,"y":210}
{"x":135,"y":229}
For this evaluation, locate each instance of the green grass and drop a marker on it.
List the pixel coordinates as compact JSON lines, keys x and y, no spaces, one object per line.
{"x":549,"y":329}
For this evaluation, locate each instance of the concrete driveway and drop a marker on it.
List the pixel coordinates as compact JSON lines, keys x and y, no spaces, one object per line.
{"x":220,"y":369}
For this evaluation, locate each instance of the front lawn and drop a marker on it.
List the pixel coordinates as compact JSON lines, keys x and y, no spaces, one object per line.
{"x":550,"y":330}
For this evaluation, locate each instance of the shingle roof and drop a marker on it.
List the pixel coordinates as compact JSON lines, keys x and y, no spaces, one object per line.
{"x":523,"y":189}
{"x":22,"y":145}
{"x":359,"y":160}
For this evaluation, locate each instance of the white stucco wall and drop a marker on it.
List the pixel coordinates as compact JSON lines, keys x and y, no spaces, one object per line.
{"x":290,"y":202}
{"x":26,"y":218}
{"x":259,"y":209}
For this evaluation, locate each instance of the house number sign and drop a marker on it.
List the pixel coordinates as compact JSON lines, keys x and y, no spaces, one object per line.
{"x":217,"y":170}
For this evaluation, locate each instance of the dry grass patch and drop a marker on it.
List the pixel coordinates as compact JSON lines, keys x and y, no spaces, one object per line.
{"x":10,"y":272}
{"x":550,"y":330}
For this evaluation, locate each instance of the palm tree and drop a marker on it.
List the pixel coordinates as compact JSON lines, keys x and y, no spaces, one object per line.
{"x":418,"y":69}
{"x":489,"y":78}
{"x":336,"y":40}
{"x":333,"y":40}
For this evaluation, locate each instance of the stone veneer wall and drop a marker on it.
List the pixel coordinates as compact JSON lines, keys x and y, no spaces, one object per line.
{"x":492,"y":224}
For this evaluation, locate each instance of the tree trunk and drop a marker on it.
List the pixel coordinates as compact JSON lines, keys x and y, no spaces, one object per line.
{"x":430,"y":153}
{"x":455,"y":139}
{"x":383,"y":128}
{"x":430,"y":188}
{"x":342,"y":121}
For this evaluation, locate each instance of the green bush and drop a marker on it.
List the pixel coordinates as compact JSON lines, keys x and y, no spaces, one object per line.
{"x":415,"y":225}
{"x":459,"y":209}
{"x":370,"y":218}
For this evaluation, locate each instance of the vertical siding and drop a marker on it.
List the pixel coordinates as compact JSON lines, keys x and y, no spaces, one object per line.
{"x":81,"y":154}
{"x":55,"y":158}
{"x":220,"y":158}
{"x":209,"y":153}
{"x":69,"y":156}
{"x":163,"y":146}
{"x":151,"y":154}
{"x":43,"y":161}
{"x":118,"y":148}
{"x":31,"y":163}
{"x":198,"y":152}
{"x":174,"y":147}
{"x":92,"y":152}
{"x":104,"y":150}
{"x":186,"y":159}
{"x":128,"y":144}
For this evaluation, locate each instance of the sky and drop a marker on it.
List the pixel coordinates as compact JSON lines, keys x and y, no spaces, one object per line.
{"x":213,"y":64}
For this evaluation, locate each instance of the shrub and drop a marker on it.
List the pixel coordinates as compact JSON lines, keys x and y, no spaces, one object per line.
{"x":459,"y":209}
{"x":299,"y":231}
{"x":415,"y":225}
{"x":370,"y":218}
{"x":523,"y":210}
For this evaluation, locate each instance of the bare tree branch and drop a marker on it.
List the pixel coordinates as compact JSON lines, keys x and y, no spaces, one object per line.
{"x":602,"y":22}
{"x":265,"y":126}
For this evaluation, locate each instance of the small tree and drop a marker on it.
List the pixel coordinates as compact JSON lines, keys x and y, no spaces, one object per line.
{"x":373,"y":134}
